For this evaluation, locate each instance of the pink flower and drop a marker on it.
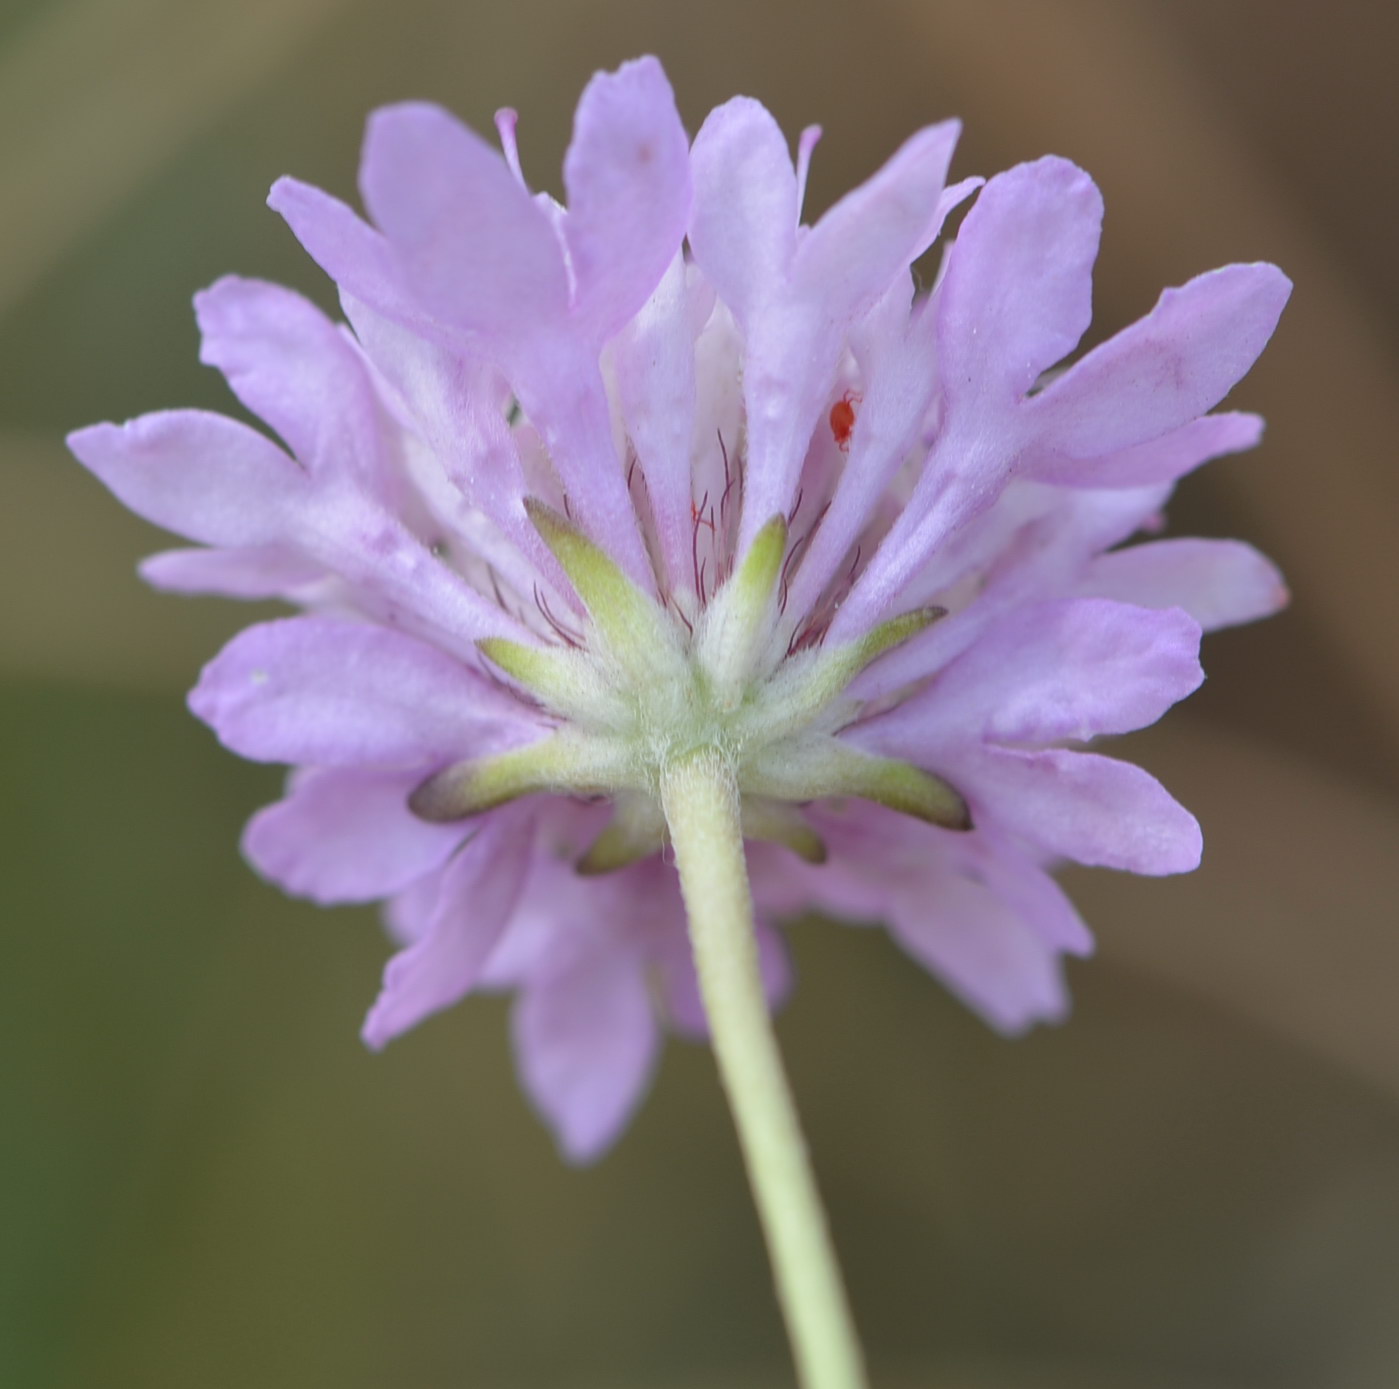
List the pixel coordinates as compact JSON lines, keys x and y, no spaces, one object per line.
{"x":567,"y":501}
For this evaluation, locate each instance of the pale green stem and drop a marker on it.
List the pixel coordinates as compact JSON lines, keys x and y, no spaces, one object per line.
{"x":701,"y":801}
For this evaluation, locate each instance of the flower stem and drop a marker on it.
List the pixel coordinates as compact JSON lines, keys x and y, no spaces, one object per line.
{"x":701,"y":801}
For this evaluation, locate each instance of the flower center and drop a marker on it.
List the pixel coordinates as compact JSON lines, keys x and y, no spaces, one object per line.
{"x":643,"y":691}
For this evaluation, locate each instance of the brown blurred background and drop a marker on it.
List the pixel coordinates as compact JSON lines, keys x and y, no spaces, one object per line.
{"x":205,"y":1183}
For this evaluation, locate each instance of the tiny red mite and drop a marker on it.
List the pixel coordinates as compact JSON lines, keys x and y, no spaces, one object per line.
{"x":843,"y":419}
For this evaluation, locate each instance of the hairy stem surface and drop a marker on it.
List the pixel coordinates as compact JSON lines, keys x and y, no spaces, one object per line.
{"x":701,"y":801}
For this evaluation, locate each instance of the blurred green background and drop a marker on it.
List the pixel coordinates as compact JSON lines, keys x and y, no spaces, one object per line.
{"x":206,"y":1183}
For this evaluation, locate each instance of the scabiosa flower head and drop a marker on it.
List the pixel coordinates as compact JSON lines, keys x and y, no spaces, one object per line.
{"x":584,"y":488}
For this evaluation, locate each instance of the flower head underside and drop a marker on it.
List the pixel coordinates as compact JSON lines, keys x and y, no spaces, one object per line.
{"x":584,"y":489}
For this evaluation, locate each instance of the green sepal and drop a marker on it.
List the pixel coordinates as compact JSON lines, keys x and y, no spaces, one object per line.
{"x":810,"y":680}
{"x":737,"y":621}
{"x":809,"y":769}
{"x":561,"y":763}
{"x":631,"y":624}
{"x":777,"y":822}
{"x":564,"y":680}
{"x":636,"y":831}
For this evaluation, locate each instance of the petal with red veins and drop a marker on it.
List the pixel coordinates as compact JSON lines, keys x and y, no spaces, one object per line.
{"x":656,"y":380}
{"x":1182,"y":359}
{"x":346,"y":835}
{"x":474,"y":901}
{"x":627,"y":173}
{"x":322,"y":692}
{"x":200,"y":475}
{"x":586,"y":1041}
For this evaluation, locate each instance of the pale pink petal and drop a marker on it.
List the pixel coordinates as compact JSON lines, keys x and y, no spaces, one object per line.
{"x":627,"y":173}
{"x":849,"y":259}
{"x":1016,"y":295}
{"x":841,"y":269}
{"x":1073,"y":669}
{"x":1160,"y":460}
{"x":1218,"y":582}
{"x":471,"y":242}
{"x":969,"y":937}
{"x":459,"y":406}
{"x":477,"y":893}
{"x":559,"y":383}
{"x":200,"y":475}
{"x":972,"y":907}
{"x":655,"y":364}
{"x":1034,"y":542}
{"x":1014,"y":875}
{"x":897,"y":353}
{"x":743,"y":228}
{"x":408,"y":914}
{"x":1077,"y":805}
{"x":586,"y":1040}
{"x":294,"y":369}
{"x":395,"y":576}
{"x":261,"y":571}
{"x":357,"y":257}
{"x":323,"y":692}
{"x":1182,"y":359}
{"x":347,"y":835}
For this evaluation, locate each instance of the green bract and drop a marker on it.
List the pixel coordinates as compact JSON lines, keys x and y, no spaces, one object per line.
{"x":644,"y":691}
